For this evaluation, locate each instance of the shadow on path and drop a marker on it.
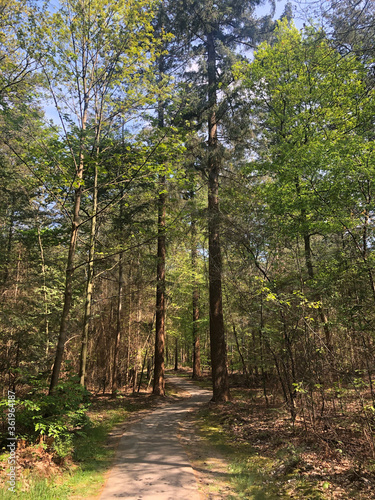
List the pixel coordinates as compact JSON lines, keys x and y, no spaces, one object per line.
{"x":151,"y":463}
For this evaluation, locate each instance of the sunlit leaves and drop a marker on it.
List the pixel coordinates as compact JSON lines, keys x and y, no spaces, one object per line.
{"x":314,"y":112}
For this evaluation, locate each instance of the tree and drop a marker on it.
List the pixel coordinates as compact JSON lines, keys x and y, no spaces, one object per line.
{"x":216,"y":30}
{"x":349,"y":23}
{"x":312,"y":110}
{"x":159,"y":383}
{"x":97,"y":52}
{"x":299,"y":81}
{"x":195,"y":301}
{"x":167,"y":100}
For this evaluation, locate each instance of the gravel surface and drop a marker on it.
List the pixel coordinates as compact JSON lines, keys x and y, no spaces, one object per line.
{"x":151,"y":463}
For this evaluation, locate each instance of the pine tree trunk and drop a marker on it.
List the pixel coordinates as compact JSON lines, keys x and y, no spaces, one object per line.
{"x":217,"y":334}
{"x":196,"y":340}
{"x":129,"y":328}
{"x":159,"y":383}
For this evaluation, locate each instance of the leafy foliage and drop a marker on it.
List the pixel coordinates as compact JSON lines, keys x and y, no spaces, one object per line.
{"x":53,"y":420}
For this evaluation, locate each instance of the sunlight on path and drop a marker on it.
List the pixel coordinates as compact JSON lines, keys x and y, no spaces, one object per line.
{"x":151,"y":464}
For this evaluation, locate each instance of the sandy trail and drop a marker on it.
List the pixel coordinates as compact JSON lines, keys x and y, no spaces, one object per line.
{"x":151,"y":463}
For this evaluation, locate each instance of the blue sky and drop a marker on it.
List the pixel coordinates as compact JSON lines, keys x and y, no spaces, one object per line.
{"x":280,"y":5}
{"x":263,"y":10}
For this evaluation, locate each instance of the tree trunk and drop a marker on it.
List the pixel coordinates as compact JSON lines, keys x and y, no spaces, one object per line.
{"x":45,"y":299}
{"x":217,"y":334}
{"x":159,"y":383}
{"x":365,"y":235}
{"x":196,"y":340}
{"x":244,"y":367}
{"x":322,"y":315}
{"x":9,"y":246}
{"x":129,"y":328}
{"x":71,"y":254}
{"x":68,"y":290}
{"x":118,"y":324}
{"x":89,"y":284}
{"x":175,"y":355}
{"x":311,"y":274}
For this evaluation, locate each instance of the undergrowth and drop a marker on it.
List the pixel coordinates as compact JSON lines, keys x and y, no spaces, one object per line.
{"x":77,"y":470}
{"x":269,"y":458}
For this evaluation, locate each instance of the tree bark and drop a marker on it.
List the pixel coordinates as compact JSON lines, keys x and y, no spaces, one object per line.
{"x":217,"y":333}
{"x":118,"y":324}
{"x":175,"y":355}
{"x":244,"y":367}
{"x":322,"y":314}
{"x":311,"y":274}
{"x":9,"y":246}
{"x":72,"y":246}
{"x":68,"y":289}
{"x":129,"y":326}
{"x":89,"y":284}
{"x":159,"y":383}
{"x":196,"y":339}
{"x":43,"y":266}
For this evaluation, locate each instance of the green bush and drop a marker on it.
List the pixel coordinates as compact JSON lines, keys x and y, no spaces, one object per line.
{"x":53,"y":419}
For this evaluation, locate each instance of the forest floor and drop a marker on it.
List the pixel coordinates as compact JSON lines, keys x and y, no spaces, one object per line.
{"x":249,"y":449}
{"x":151,"y":463}
{"x":41,"y":475}
{"x":243,"y":449}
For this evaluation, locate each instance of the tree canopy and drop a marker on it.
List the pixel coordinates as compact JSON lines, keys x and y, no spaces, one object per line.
{"x":208,"y":175}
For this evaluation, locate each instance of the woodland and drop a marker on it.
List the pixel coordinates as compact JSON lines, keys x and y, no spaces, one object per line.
{"x":188,"y":183}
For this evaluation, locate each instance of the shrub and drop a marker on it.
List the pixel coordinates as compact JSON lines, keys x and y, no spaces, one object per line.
{"x":53,"y":419}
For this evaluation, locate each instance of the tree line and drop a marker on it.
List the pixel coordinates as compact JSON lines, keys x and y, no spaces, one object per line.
{"x":201,"y":194}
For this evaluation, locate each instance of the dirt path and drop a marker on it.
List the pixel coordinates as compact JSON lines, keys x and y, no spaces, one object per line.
{"x":151,"y":463}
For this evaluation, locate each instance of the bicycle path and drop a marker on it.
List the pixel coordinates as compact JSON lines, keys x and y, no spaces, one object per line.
{"x":151,"y":463}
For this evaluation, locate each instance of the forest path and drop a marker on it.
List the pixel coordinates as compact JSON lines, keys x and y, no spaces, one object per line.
{"x":151,"y":464}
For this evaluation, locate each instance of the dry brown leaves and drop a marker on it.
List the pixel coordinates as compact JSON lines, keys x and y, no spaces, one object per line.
{"x":334,"y":450}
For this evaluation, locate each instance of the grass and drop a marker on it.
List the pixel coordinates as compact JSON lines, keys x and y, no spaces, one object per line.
{"x":264,"y":457}
{"x":248,"y":472}
{"x":268,"y":458}
{"x":262,"y":463}
{"x":83,"y":475}
{"x":255,"y":475}
{"x":204,"y":382}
